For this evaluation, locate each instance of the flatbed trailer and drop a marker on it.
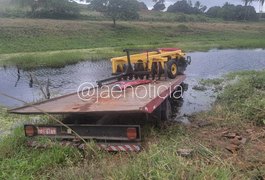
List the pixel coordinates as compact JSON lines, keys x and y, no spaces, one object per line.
{"x":149,"y":99}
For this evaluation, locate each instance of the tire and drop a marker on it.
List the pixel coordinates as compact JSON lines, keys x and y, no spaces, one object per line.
{"x":172,"y":69}
{"x":166,"y":110}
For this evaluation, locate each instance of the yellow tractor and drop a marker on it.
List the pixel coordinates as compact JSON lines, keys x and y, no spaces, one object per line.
{"x":164,"y":61}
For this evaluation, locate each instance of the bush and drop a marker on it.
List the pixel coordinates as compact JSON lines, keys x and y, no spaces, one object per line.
{"x":232,"y":12}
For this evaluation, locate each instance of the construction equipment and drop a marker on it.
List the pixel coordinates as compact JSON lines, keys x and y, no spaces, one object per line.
{"x":169,"y":62}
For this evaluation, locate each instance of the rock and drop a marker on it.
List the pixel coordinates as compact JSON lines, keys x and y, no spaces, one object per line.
{"x":199,"y":88}
{"x":230,"y":135}
{"x":243,"y":140}
{"x":204,"y":123}
{"x":236,"y":141}
{"x":185,"y":152}
{"x":232,"y":148}
{"x":249,"y":131}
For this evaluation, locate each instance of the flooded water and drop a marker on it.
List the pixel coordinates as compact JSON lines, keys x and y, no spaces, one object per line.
{"x":30,"y":85}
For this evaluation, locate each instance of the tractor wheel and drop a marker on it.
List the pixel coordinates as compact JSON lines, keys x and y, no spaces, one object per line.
{"x":172,"y":69}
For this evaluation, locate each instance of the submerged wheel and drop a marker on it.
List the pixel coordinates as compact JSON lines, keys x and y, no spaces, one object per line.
{"x":166,"y":110}
{"x":172,"y":69}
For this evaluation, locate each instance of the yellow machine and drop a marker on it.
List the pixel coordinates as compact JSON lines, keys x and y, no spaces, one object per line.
{"x":168,"y":61}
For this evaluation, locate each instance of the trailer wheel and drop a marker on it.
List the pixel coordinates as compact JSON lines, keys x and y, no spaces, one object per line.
{"x":166,"y":110}
{"x":172,"y":69}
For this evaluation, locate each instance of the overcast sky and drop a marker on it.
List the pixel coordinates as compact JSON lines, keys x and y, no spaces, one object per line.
{"x":208,"y":3}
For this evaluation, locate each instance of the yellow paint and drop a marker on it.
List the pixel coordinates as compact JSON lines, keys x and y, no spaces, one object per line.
{"x":148,"y":59}
{"x":174,"y":69}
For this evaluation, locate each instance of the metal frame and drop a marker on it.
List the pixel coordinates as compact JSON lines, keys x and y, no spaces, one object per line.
{"x":90,"y":132}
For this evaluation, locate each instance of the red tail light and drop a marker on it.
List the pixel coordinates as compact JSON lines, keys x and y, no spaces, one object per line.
{"x":30,"y":130}
{"x":131,"y":133}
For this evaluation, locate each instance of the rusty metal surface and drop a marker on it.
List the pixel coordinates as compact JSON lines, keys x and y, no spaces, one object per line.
{"x":128,"y":102}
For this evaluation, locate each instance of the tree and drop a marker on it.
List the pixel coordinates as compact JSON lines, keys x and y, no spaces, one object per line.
{"x":142,"y":6}
{"x":159,"y":5}
{"x":50,"y":8}
{"x":186,"y":7}
{"x":116,"y":9}
{"x":232,"y":12}
{"x":180,"y":6}
{"x":214,"y":11}
{"x":200,"y":7}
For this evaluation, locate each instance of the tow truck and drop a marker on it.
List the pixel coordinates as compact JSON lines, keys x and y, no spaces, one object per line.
{"x":111,"y":113}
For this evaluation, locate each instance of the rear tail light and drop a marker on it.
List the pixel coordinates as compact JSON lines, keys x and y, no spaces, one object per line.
{"x":131,"y":133}
{"x":30,"y":130}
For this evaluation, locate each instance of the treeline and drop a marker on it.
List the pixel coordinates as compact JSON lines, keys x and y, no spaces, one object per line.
{"x":61,"y":9}
{"x":128,"y":9}
{"x":226,"y":12}
{"x":232,"y":12}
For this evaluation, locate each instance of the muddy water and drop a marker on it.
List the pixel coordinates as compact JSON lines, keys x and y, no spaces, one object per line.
{"x":29,"y":85}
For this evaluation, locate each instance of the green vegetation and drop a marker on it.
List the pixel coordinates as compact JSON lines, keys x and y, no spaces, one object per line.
{"x":116,"y":9}
{"x":62,"y":9}
{"x":186,"y":7}
{"x":245,"y":98}
{"x":239,"y":110}
{"x":232,"y":12}
{"x":209,"y":82}
{"x":56,"y":43}
{"x":17,"y":161}
{"x":56,"y":59}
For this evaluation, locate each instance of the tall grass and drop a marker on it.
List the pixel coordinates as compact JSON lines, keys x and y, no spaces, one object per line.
{"x":20,"y":162}
{"x":242,"y":100}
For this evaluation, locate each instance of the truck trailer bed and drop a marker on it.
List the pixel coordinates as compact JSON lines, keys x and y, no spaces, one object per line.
{"x":144,"y":98}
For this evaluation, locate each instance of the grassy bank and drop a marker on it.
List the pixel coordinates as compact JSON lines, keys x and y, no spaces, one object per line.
{"x":53,"y":43}
{"x":227,"y":143}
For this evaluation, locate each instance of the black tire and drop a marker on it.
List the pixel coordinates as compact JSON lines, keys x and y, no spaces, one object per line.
{"x":172,"y":69}
{"x":166,"y":110}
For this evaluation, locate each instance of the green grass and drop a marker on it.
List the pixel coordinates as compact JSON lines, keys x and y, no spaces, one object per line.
{"x":242,"y":100}
{"x":209,"y":82}
{"x":56,"y":43}
{"x":56,"y":59}
{"x":20,"y":162}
